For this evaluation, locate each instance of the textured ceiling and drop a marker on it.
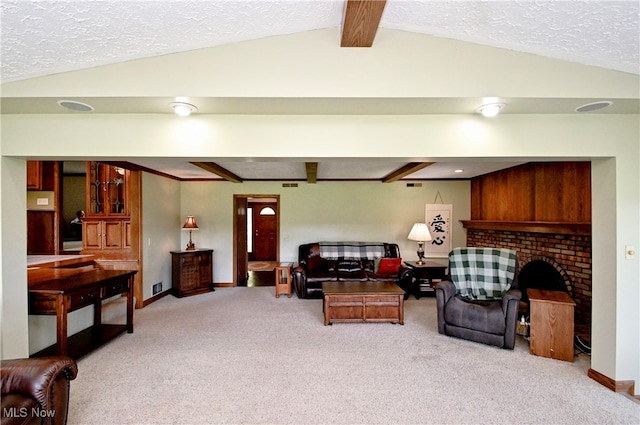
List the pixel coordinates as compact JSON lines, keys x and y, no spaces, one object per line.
{"x":44,"y":37}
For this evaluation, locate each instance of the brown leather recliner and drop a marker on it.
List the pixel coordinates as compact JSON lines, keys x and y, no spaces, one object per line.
{"x":36,"y":390}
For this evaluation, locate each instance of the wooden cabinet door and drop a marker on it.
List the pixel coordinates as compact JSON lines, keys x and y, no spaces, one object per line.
{"x":34,"y":175}
{"x":107,"y":190}
{"x":40,"y":233}
{"x":113,"y":236}
{"x":92,"y":234}
{"x":205,"y":270}
{"x":189,"y":268}
{"x":103,"y":234}
{"x":127,"y":242}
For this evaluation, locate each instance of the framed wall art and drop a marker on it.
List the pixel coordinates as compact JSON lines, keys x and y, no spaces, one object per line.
{"x":438,"y":218}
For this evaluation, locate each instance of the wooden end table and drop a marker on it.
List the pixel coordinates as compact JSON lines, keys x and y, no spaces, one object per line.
{"x":363,"y":302}
{"x":426,"y":277}
{"x":283,"y":279}
{"x":551,"y":319}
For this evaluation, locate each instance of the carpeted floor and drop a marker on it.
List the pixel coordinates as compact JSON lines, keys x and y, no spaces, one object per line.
{"x":242,"y":356}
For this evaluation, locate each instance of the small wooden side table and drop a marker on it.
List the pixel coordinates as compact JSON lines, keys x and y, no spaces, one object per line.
{"x":551,"y":318}
{"x":283,"y":279}
{"x":426,"y":277}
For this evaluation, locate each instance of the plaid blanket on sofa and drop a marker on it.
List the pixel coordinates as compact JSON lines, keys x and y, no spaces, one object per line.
{"x":351,"y":250}
{"x":482,"y":273}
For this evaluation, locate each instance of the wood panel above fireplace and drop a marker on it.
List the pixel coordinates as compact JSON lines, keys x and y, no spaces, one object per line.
{"x":559,"y":228}
{"x":534,"y":193}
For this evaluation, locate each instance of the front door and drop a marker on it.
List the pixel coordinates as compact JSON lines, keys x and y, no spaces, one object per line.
{"x":265,"y":225}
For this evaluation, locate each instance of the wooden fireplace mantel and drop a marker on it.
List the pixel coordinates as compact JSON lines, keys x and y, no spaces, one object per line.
{"x":564,"y":228}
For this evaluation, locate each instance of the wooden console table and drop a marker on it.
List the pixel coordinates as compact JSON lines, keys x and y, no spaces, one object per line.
{"x":59,"y":291}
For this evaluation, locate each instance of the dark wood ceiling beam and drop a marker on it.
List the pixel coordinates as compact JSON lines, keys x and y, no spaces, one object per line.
{"x":214,"y":168}
{"x":402,"y":172}
{"x":360,"y":23}
{"x":312,"y":171}
{"x":135,"y":167}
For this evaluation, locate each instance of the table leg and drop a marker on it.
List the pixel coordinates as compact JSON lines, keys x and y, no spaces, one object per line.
{"x":130,"y":306}
{"x":61,"y":326}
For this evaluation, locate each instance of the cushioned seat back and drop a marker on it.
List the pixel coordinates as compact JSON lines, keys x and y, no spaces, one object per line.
{"x":482,"y":273}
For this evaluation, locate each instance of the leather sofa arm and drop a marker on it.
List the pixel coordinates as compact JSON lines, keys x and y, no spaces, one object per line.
{"x":405,"y":273}
{"x":405,"y":279}
{"x":300,"y":281}
{"x":45,"y":379}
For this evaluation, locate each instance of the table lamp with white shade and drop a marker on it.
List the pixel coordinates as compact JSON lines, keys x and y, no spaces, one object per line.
{"x":420,"y":233}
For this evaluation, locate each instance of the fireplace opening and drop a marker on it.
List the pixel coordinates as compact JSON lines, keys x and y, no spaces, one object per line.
{"x":539,"y":274}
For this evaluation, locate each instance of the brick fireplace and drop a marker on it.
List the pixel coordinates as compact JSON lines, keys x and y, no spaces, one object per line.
{"x":566,"y":252}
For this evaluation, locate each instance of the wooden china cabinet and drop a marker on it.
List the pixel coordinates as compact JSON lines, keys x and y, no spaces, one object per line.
{"x":107,"y":225}
{"x":111,"y":226}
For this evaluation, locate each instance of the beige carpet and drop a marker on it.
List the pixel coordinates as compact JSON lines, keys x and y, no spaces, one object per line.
{"x":241,"y":356}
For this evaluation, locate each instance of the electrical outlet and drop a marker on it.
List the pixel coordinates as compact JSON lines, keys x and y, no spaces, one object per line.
{"x":629,"y":252}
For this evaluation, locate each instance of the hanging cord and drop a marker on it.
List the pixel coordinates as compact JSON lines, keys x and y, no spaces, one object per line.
{"x":435,"y":200}
{"x":581,"y":346}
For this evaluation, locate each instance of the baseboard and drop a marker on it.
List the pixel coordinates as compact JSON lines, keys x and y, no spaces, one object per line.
{"x":155,"y":298}
{"x":617,"y":386}
{"x":224,"y":285}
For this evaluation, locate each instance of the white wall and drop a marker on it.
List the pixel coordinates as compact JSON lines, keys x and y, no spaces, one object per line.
{"x":13,"y":322}
{"x":160,"y":230}
{"x":334,"y":211}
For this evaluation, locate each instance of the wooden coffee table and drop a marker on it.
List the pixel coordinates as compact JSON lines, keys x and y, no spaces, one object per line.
{"x":363,"y":302}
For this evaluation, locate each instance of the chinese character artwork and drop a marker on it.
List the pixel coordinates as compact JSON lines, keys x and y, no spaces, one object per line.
{"x":438,"y":218}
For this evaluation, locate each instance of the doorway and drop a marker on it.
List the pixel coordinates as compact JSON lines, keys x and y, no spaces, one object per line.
{"x":256,"y":235}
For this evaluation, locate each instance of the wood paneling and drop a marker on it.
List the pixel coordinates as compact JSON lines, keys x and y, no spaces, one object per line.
{"x":540,"y":192}
{"x":565,"y":193}
{"x":41,"y":233}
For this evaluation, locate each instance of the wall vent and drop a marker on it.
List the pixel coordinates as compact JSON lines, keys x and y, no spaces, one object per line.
{"x":414,"y":184}
{"x":289,"y":184}
{"x":157,"y":288}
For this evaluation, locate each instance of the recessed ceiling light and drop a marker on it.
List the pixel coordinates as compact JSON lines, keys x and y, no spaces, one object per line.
{"x":594,"y":106}
{"x":459,"y":170}
{"x":490,"y":109}
{"x":182,"y":108}
{"x":76,"y":106}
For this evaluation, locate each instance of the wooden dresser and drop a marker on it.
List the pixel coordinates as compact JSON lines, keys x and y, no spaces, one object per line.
{"x":551,"y":318}
{"x":192,"y":272}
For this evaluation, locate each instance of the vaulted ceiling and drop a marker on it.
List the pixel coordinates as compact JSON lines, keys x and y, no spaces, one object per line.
{"x":43,"y":38}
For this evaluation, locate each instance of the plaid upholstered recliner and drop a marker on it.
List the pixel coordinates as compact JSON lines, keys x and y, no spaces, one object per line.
{"x":480,"y":301}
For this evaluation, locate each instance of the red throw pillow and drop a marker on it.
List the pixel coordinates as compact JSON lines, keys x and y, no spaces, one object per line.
{"x":389,"y":265}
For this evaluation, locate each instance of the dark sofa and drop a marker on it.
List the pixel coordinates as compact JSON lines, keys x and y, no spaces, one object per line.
{"x":357,"y":262}
{"x":36,"y":390}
